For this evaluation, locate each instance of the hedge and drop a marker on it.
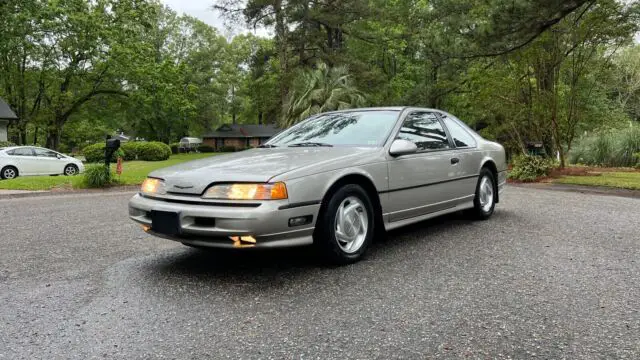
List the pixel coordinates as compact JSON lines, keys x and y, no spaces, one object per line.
{"x":131,"y":150}
{"x":153,"y":151}
{"x":137,"y":150}
{"x":206,"y":149}
{"x":95,"y":153}
{"x":6,"y":144}
{"x":230,"y":149}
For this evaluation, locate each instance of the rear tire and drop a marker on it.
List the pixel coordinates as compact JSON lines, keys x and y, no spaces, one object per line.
{"x":346,"y":226}
{"x":9,"y":172}
{"x":485,"y":200}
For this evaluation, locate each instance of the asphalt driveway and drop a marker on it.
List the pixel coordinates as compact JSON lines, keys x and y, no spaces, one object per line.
{"x":552,"y":275}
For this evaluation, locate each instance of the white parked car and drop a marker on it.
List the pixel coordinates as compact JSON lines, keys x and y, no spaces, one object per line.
{"x":30,"y":160}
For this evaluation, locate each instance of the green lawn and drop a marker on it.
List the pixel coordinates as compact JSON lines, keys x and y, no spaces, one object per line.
{"x":133,"y":173}
{"x":624,"y":180}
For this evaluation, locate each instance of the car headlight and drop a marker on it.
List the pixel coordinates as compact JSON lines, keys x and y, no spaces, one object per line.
{"x":153,"y":186}
{"x":275,"y":191}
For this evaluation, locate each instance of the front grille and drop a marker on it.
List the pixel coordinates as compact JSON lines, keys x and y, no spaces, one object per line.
{"x":202,"y":202}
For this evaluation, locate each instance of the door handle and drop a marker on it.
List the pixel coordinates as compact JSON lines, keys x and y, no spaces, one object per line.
{"x":454,"y":161}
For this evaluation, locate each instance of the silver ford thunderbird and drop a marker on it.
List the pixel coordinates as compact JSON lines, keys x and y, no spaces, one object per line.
{"x":335,"y":181}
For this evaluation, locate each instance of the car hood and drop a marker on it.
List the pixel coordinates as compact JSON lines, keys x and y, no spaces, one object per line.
{"x":255,"y":165}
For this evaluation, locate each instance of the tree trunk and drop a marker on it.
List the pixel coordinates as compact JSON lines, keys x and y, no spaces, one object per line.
{"x":53,"y":138}
{"x":55,"y":132}
{"x":281,"y":37}
{"x":22,"y":133}
{"x":233,"y":104}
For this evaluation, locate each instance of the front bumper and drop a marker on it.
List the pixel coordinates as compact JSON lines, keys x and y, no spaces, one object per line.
{"x":212,"y":224}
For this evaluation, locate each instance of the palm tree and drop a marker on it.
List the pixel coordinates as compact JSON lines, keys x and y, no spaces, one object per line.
{"x":321,"y":89}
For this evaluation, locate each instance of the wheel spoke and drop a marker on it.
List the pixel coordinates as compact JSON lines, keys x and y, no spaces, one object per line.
{"x":363,"y":222}
{"x":342,"y":237}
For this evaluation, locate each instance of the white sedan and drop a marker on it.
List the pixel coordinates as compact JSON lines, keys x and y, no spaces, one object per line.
{"x":30,"y":160}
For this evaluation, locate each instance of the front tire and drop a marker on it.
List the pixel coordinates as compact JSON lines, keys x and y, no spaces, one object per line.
{"x":71,"y":170}
{"x":8,"y":172}
{"x":484,"y":202}
{"x":346,"y":226}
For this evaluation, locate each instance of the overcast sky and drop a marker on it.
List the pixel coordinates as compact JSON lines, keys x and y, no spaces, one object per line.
{"x":203,"y":10}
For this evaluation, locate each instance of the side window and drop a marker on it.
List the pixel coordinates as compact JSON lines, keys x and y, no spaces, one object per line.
{"x":21,"y":152}
{"x":424,"y":130}
{"x":461,"y":137}
{"x":45,"y":153}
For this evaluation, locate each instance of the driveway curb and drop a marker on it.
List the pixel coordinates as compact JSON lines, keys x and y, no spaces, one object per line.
{"x":583,"y":189}
{"x":113,"y":190}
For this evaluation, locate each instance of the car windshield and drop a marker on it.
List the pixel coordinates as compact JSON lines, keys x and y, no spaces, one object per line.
{"x":353,"y":128}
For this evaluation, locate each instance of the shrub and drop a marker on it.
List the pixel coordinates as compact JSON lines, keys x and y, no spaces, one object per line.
{"x":153,"y":151}
{"x":97,"y":176}
{"x":6,"y":144}
{"x":95,"y":153}
{"x":602,"y":150}
{"x":175,"y":148}
{"x":627,"y":144}
{"x":608,"y":148}
{"x":206,"y":149}
{"x":530,"y":168}
{"x":131,"y":150}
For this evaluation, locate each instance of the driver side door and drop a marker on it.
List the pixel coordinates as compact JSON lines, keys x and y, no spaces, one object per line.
{"x":422,"y":182}
{"x":48,"y":161}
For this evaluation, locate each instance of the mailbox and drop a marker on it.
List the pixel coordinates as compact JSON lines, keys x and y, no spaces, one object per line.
{"x":111,"y":146}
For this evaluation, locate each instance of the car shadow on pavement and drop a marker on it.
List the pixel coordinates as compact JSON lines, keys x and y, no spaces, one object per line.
{"x":268,"y":263}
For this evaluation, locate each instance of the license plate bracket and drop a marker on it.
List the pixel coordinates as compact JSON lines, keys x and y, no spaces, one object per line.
{"x":165,"y":222}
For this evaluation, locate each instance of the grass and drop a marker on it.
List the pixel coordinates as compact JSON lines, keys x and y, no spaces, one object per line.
{"x":623,"y":180}
{"x":133,"y":173}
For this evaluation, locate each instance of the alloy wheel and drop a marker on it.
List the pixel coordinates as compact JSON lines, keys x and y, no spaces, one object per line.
{"x":352,"y":223}
{"x":486,"y":194}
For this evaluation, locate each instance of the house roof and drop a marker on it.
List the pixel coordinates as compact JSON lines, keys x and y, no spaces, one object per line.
{"x":5,"y":111}
{"x":243,"y":131}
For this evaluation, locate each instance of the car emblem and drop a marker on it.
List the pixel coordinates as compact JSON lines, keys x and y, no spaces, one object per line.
{"x":183,"y":186}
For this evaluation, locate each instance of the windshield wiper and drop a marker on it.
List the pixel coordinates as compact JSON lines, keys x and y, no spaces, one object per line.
{"x":265,"y":146}
{"x":305,"y":144}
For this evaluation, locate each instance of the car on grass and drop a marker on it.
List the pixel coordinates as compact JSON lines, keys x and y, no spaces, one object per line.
{"x":32,"y":160}
{"x":334,"y":180}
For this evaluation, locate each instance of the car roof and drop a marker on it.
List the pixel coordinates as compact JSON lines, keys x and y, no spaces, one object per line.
{"x":386,"y":108}
{"x":25,"y":146}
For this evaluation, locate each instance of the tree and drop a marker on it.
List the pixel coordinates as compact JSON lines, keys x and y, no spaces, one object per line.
{"x":319,"y":90}
{"x":626,"y":84}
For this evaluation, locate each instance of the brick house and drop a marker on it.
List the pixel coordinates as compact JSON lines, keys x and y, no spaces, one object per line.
{"x":239,"y":136}
{"x":5,"y":116}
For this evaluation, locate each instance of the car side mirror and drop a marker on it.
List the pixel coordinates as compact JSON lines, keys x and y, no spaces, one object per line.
{"x":402,"y":147}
